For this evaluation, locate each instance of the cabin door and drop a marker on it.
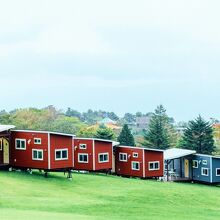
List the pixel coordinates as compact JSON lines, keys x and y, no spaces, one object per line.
{"x":5,"y":151}
{"x":186,"y":165}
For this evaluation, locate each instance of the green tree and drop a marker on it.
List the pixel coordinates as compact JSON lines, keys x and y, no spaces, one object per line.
{"x":105,"y":133}
{"x":125,"y":137}
{"x":198,"y":136}
{"x":157,"y":135}
{"x":87,"y":132}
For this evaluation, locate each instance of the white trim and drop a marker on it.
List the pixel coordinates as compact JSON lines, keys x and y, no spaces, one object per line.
{"x":45,"y":132}
{"x":204,"y":168}
{"x":38,"y":150}
{"x":93,"y":154}
{"x":135,"y":162}
{"x":124,"y":154}
{"x":73,"y":151}
{"x":48,"y":149}
{"x":144,"y":164}
{"x":37,"y":139}
{"x":216,"y":171}
{"x":207,"y":155}
{"x":83,"y":154}
{"x":61,"y":150}
{"x":154,"y":162}
{"x":82,"y":148}
{"x":149,"y":149}
{"x":106,"y":161}
{"x":20,"y":139}
{"x":1,"y":143}
{"x":133,"y":154}
{"x":196,"y":167}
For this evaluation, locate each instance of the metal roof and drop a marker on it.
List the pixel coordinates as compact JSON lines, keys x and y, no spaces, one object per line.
{"x":6,"y":127}
{"x":175,"y":153}
{"x":142,"y":148}
{"x":98,"y":139}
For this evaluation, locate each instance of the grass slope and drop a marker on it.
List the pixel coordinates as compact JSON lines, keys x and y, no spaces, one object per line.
{"x":24,"y":196}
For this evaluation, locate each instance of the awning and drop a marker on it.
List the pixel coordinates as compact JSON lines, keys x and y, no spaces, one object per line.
{"x":6,"y":127}
{"x":175,"y":153}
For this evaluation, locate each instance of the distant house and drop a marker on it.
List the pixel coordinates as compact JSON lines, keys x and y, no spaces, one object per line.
{"x":142,"y":122}
{"x":206,"y":168}
{"x":93,"y":154}
{"x":138,"y":162}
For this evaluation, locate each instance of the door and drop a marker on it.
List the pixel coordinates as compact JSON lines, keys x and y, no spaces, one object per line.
{"x":186,"y":165}
{"x":5,"y":151}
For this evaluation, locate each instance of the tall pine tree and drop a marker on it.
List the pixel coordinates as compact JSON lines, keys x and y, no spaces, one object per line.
{"x":125,"y":137}
{"x":157,"y":135}
{"x":198,"y":136}
{"x":105,"y":133}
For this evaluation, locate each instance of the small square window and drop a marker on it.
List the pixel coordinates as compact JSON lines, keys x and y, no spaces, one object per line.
{"x":154,"y":165}
{"x":135,"y":165}
{"x":123,"y":157}
{"x":205,"y":171}
{"x":103,"y":157}
{"x":37,"y":140}
{"x":135,"y":155}
{"x":217,"y":171}
{"x":195,"y":164}
{"x":61,"y":154}
{"x":37,"y":154}
{"x":204,"y":162}
{"x":82,"y":146}
{"x":83,"y":158}
{"x":20,"y":144}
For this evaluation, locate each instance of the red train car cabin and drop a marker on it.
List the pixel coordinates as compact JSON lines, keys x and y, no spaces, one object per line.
{"x":93,"y":154}
{"x":44,"y":150}
{"x":139,"y":162}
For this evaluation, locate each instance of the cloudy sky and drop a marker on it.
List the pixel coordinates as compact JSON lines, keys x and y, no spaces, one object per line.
{"x":118,"y":55}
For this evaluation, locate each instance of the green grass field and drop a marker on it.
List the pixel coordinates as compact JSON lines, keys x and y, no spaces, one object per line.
{"x":87,"y":196}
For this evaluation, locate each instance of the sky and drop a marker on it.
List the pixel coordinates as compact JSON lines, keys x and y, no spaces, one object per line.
{"x":118,"y":55}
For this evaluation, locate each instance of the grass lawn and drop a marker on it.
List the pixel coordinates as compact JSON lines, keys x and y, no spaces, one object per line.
{"x":87,"y":196}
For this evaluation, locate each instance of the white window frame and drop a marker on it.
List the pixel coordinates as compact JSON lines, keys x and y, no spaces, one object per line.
{"x":82,"y":146}
{"x":204,"y":162}
{"x":197,"y":162}
{"x":64,"y":149}
{"x":105,"y":161}
{"x":124,"y":154}
{"x":19,"y":139}
{"x":135,"y":154}
{"x":153,"y":162}
{"x":79,"y":161}
{"x":1,"y":144}
{"x":38,"y":150}
{"x":38,"y":141}
{"x":204,"y":168}
{"x":216,"y":171}
{"x":135,"y":162}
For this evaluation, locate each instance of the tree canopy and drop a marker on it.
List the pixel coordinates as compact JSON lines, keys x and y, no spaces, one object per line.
{"x":125,"y":137}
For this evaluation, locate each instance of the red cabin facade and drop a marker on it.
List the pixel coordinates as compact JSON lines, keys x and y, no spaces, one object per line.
{"x":139,"y":162}
{"x":93,"y":154}
{"x":41,"y":150}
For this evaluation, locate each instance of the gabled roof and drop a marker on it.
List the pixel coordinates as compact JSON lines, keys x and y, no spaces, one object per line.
{"x":142,"y":148}
{"x":46,"y":132}
{"x":6,"y":127}
{"x":175,"y":153}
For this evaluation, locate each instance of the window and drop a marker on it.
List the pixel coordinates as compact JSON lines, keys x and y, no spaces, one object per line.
{"x":205,"y":171}
{"x":135,"y":155}
{"x":154,"y":165}
{"x":82,"y":146}
{"x":103,"y":157}
{"x":123,"y":157}
{"x":37,"y":140}
{"x":135,"y":165}
{"x":83,"y":158}
{"x":20,"y":144}
{"x":217,"y":171}
{"x":61,"y":154}
{"x":195,"y":164}
{"x":204,"y":162}
{"x":37,"y":154}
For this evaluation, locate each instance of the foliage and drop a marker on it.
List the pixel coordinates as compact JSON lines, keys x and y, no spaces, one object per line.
{"x":198,"y":136}
{"x":125,"y":137}
{"x":87,"y":132}
{"x":105,"y":133}
{"x":157,"y":135}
